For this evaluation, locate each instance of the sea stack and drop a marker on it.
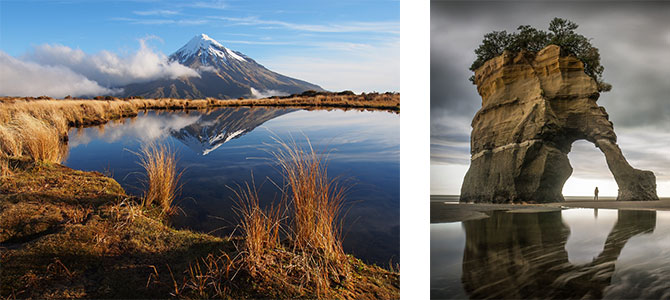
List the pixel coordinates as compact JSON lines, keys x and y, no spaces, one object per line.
{"x":534,"y":106}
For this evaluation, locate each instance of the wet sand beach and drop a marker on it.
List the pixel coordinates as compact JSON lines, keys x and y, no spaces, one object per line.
{"x":444,"y":209}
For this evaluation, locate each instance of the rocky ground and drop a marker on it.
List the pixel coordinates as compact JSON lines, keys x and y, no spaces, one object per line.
{"x":72,"y":234}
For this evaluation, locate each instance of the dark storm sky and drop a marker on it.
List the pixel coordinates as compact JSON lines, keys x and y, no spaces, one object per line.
{"x":634,"y":43}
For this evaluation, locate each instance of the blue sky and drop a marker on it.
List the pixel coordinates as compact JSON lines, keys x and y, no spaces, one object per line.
{"x":337,"y":44}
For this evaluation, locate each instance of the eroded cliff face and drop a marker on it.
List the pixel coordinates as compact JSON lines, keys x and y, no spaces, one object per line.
{"x":534,"y":106}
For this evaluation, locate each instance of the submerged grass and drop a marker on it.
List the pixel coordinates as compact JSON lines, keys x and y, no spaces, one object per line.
{"x":162,"y":177}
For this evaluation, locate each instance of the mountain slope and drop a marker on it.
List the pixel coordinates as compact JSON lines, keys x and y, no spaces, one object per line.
{"x":224,"y":73}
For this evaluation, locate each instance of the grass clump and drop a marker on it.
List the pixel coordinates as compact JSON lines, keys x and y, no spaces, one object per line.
{"x":162,"y":178}
{"x":33,"y":137}
{"x":315,"y":199}
{"x":40,"y":141}
{"x":33,"y":126}
{"x":260,"y":227}
{"x":5,"y":170}
{"x":311,"y":260}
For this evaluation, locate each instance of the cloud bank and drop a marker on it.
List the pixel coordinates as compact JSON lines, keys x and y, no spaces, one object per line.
{"x":21,"y":78}
{"x":58,"y":71}
{"x":267,"y":93}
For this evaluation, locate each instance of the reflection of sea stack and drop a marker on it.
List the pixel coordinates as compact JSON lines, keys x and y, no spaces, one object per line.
{"x":523,"y":256}
{"x":533,"y":108}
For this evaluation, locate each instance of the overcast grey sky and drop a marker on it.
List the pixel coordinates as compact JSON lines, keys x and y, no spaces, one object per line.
{"x":634,"y":42}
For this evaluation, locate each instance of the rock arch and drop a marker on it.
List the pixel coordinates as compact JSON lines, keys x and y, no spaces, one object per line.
{"x":534,"y":106}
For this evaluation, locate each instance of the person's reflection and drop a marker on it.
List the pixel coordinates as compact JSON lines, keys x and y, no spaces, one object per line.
{"x":520,"y":255}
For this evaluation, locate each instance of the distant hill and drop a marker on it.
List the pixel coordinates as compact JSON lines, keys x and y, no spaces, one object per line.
{"x":224,"y":73}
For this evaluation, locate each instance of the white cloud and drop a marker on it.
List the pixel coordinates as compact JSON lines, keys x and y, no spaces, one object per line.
{"x":385,"y":27}
{"x":146,"y":129}
{"x":216,"y":4}
{"x":267,"y":93}
{"x":109,"y":69}
{"x":206,"y":69}
{"x":21,"y":78}
{"x":160,"y":12}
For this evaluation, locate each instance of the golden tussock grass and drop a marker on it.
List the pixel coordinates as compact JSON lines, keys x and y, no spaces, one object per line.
{"x":33,"y":137}
{"x":5,"y":170}
{"x":315,"y":199}
{"x":208,"y":278}
{"x":44,"y":121}
{"x":314,"y":235}
{"x":40,"y":140}
{"x":260,"y":227}
{"x":162,"y":178}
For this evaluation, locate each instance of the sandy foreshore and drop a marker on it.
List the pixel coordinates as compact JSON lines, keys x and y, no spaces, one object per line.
{"x":445,"y":209}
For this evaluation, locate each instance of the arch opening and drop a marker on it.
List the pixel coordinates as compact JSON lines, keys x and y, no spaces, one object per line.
{"x":589,"y":170}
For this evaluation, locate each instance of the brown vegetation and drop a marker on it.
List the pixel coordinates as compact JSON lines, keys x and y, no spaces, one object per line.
{"x":4,"y":167}
{"x":36,"y":127}
{"x":312,"y":247}
{"x":162,"y":178}
{"x":73,"y":234}
{"x":260,"y":227}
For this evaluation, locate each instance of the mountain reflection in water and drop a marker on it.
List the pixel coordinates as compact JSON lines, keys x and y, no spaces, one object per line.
{"x":214,"y":129}
{"x":524,"y":255}
{"x":221,"y":148}
{"x":201,"y":131}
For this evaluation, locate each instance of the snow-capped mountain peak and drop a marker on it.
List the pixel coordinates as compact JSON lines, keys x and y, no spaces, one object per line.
{"x":224,"y":74}
{"x":203,"y":46}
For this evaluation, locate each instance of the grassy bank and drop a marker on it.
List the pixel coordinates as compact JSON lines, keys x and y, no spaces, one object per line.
{"x":72,"y":234}
{"x":36,"y":127}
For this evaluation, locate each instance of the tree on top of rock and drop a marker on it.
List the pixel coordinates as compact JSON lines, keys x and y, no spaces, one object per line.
{"x":561,"y":33}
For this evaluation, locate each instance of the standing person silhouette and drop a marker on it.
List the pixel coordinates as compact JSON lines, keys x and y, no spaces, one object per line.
{"x":595,"y":198}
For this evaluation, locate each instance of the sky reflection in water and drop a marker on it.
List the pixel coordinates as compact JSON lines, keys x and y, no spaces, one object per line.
{"x":363,"y":149}
{"x":572,"y":253}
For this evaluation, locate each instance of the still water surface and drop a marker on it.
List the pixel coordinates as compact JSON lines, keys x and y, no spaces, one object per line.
{"x":573,"y":253}
{"x":224,"y":147}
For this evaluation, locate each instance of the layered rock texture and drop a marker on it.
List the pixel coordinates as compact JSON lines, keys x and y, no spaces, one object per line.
{"x":524,"y":256}
{"x":534,"y":106}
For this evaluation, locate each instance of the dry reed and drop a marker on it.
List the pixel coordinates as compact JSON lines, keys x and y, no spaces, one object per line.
{"x":40,"y":141}
{"x":44,"y":121}
{"x":316,"y":200}
{"x":5,"y":170}
{"x":162,"y":178}
{"x":30,"y":136}
{"x":314,"y":236}
{"x":260,"y":227}
{"x":209,"y":279}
